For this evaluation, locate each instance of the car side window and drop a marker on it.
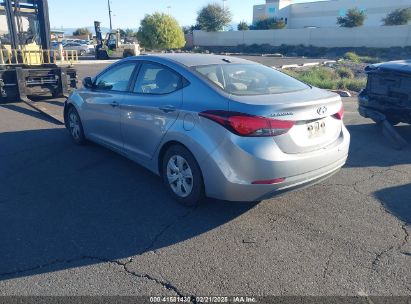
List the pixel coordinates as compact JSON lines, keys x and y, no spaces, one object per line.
{"x":116,"y":79}
{"x":156,"y":79}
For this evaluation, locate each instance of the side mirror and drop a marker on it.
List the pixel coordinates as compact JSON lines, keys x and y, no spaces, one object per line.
{"x":88,"y":83}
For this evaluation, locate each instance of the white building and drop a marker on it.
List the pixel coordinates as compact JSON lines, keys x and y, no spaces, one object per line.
{"x":325,"y":13}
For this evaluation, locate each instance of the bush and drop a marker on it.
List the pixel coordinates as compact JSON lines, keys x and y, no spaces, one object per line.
{"x":353,"y":18}
{"x":243,"y":26}
{"x":160,"y":31}
{"x":353,"y":57}
{"x":355,"y":85}
{"x":370,"y":60}
{"x":398,"y":17}
{"x":269,"y":24}
{"x":344,"y":72}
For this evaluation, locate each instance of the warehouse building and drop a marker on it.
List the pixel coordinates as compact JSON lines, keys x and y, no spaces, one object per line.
{"x":325,"y":13}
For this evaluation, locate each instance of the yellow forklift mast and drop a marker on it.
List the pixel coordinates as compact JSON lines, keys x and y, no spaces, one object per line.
{"x":28,"y":68}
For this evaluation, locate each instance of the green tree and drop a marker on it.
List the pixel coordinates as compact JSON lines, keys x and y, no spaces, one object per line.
{"x":127,"y":33}
{"x":81,"y":32}
{"x":353,"y":18}
{"x":213,"y":17}
{"x":398,"y":17}
{"x":190,"y":28}
{"x":160,"y":31}
{"x":269,"y":24}
{"x":243,"y":26}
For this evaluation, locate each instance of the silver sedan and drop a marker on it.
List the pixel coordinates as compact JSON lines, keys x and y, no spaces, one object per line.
{"x":212,"y":126}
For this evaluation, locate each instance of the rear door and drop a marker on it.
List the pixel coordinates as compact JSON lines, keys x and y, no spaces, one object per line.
{"x":150,"y":109}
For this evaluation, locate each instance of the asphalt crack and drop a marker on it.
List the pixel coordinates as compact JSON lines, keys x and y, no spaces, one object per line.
{"x":378,"y":257}
{"x":327,"y":264}
{"x":167,"y":285}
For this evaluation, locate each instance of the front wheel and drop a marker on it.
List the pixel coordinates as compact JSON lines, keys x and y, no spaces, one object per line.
{"x":75,"y":127}
{"x":182,"y":176}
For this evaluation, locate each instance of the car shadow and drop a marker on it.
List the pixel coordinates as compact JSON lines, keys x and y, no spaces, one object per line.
{"x":396,"y":200}
{"x":369,"y":147}
{"x":65,"y":206}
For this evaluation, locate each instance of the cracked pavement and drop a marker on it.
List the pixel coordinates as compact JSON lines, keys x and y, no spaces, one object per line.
{"x":85,"y":221}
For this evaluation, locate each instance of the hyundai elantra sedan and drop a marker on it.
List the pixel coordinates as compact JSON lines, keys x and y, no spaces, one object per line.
{"x":212,"y":126}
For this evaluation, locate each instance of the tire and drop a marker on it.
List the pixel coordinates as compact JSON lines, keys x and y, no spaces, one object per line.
{"x":393,"y":121}
{"x":102,"y":55}
{"x":127,"y":54}
{"x":75,"y":127}
{"x":187,"y":190}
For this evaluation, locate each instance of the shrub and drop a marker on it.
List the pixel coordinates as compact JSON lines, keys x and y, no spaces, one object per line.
{"x":355,"y":85}
{"x":344,"y":72}
{"x":398,"y":17}
{"x":160,"y":31}
{"x":371,"y":60}
{"x":352,"y":56}
{"x":269,"y":24}
{"x":353,"y":18}
{"x":243,"y":26}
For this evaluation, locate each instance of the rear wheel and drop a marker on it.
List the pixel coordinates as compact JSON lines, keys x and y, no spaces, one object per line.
{"x":75,"y":127}
{"x":182,"y":176}
{"x":127,"y":54}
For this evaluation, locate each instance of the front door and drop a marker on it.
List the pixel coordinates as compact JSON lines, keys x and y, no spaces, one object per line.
{"x":102,"y":105}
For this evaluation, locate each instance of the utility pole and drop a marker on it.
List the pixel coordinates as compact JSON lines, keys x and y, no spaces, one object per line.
{"x":109,"y":14}
{"x":224,"y":1}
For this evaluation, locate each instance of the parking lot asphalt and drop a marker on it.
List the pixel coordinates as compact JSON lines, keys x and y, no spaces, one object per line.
{"x":86,"y":221}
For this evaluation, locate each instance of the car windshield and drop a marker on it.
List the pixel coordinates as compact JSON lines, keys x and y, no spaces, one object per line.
{"x":249,"y":79}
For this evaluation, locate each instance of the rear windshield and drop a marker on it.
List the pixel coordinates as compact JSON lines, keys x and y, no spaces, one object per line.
{"x":249,"y":79}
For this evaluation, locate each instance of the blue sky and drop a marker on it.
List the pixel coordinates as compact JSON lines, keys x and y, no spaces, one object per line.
{"x":128,"y":13}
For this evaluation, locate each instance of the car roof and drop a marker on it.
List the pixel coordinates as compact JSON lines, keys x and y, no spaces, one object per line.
{"x":190,"y":60}
{"x":400,"y":66}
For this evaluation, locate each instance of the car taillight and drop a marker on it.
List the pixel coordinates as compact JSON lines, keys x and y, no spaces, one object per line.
{"x":340,"y":114}
{"x":249,"y":125}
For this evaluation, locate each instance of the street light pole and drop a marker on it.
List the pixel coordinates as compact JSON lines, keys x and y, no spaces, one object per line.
{"x":168,"y":9}
{"x":109,"y":14}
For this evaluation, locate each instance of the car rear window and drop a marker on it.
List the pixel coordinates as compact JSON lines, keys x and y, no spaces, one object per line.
{"x":249,"y":79}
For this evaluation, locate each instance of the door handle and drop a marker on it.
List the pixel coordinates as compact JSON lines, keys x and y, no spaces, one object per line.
{"x":168,"y":109}
{"x":115,"y":104}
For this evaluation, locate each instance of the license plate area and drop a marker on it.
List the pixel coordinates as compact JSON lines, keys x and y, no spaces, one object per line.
{"x":316,"y":129}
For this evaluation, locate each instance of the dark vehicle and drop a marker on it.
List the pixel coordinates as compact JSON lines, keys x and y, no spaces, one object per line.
{"x":388,"y":92}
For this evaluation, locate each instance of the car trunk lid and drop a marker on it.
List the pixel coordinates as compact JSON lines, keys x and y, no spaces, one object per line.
{"x":316,"y":115}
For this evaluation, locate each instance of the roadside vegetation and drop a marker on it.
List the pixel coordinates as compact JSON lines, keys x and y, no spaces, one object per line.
{"x":337,"y":77}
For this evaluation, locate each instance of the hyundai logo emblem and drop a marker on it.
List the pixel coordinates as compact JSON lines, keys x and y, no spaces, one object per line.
{"x":322,"y":110}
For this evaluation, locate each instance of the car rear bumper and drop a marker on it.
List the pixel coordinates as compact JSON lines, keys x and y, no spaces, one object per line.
{"x":230,"y":171}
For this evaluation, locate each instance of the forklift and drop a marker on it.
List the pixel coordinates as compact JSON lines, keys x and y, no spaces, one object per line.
{"x":111,"y":47}
{"x":28,"y":69}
